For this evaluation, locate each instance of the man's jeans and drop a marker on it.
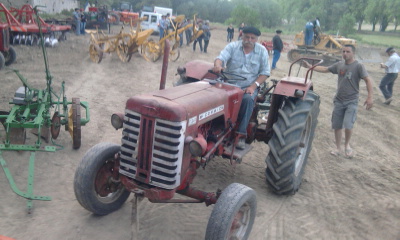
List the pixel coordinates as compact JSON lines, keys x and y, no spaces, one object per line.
{"x":78,"y":27}
{"x":386,"y":85}
{"x":188,"y":34}
{"x":246,"y":109}
{"x":83,"y":26}
{"x":275,"y":59}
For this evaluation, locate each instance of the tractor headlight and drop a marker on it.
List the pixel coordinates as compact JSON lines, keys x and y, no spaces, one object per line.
{"x":198,"y":146}
{"x":117,"y":120}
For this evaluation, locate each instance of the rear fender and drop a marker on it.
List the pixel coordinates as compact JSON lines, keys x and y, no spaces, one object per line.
{"x":288,"y":86}
{"x":198,"y":69}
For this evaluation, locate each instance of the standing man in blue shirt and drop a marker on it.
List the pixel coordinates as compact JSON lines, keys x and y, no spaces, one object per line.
{"x":77,"y":18}
{"x":162,"y":26}
{"x":249,"y":59}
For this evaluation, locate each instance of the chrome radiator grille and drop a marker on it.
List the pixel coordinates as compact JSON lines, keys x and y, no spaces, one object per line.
{"x":152,"y":150}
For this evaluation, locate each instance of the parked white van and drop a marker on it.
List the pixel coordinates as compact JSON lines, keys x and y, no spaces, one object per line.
{"x":152,"y":21}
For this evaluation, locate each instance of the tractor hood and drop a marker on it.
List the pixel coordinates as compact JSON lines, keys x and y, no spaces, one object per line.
{"x":196,"y":102}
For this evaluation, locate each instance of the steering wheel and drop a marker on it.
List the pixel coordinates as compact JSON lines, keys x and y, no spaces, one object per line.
{"x":227,"y":76}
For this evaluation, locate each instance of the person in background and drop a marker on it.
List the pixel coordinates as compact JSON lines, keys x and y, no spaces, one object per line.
{"x":162,"y":26}
{"x":77,"y":19}
{"x":179,"y":26}
{"x":83,"y":22}
{"x":206,"y":35}
{"x":392,"y":67}
{"x":316,"y":29}
{"x":231,"y":32}
{"x":199,"y":39}
{"x":309,"y":33}
{"x":249,"y":59}
{"x":188,"y":31}
{"x":241,"y":31}
{"x":344,"y":114}
{"x":277,"y":47}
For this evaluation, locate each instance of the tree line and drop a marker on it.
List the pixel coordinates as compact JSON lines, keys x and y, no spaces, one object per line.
{"x":334,"y":15}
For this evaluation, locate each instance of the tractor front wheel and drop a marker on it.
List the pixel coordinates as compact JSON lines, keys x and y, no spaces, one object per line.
{"x":291,"y":142}
{"x":233,"y":214}
{"x":96,"y":184}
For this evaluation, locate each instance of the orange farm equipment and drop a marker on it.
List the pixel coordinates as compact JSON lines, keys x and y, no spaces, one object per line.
{"x":24,"y":27}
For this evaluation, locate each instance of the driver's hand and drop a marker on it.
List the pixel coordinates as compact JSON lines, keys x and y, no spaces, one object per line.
{"x":250,"y":90}
{"x":217,"y":69}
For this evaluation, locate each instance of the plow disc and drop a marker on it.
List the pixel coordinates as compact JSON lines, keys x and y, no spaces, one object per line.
{"x":55,"y":126}
{"x":74,"y":123}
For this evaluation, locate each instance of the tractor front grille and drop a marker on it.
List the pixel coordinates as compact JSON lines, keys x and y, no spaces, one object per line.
{"x":152,"y":150}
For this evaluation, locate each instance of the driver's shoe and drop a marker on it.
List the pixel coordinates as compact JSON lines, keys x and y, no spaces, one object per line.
{"x":241,"y":144}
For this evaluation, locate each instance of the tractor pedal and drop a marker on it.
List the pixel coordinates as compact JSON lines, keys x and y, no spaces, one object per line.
{"x":238,"y":154}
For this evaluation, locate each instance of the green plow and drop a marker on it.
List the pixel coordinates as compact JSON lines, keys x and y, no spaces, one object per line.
{"x":44,"y":112}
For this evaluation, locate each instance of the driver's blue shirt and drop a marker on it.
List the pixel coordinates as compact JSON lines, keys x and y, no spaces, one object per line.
{"x":249,"y":66}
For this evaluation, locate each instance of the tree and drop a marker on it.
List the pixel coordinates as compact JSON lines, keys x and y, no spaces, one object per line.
{"x":346,"y":24}
{"x":357,"y":9}
{"x":245,"y":14}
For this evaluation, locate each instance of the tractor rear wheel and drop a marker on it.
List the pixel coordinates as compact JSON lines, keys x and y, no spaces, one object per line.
{"x":233,"y":214}
{"x":291,"y":142}
{"x":114,"y":18}
{"x":10,"y":56}
{"x":95,"y":185}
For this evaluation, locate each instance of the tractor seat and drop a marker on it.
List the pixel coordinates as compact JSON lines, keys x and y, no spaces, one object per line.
{"x":295,"y":80}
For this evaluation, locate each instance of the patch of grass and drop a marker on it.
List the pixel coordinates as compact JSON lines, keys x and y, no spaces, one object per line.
{"x":377,"y":40}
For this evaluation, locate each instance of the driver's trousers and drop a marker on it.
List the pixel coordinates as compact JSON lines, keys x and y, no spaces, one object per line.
{"x":246,"y":109}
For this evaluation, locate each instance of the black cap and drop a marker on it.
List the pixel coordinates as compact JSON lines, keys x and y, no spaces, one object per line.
{"x":278,"y":31}
{"x":252,"y":30}
{"x":389,"y":49}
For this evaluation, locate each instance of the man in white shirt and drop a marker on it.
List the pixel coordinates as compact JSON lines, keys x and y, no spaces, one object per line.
{"x":391,"y":67}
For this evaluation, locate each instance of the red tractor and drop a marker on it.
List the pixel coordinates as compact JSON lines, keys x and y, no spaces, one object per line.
{"x":7,"y":52}
{"x":168,"y":134}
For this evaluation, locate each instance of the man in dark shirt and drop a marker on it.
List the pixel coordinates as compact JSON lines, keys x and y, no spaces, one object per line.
{"x":350,"y":72}
{"x":278,"y":47}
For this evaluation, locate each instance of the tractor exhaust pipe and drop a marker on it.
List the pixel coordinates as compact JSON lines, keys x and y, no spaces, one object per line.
{"x":165,"y":65}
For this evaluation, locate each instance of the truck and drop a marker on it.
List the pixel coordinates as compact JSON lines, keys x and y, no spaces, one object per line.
{"x":151,"y":21}
{"x":163,"y":10}
{"x":168,"y":134}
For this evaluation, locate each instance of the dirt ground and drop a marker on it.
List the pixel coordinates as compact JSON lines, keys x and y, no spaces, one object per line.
{"x":339,"y":198}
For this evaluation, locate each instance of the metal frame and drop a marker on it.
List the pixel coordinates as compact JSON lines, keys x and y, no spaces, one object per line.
{"x":35,"y":113}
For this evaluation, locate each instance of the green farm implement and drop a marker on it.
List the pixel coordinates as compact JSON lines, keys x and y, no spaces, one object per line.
{"x":45,"y":112}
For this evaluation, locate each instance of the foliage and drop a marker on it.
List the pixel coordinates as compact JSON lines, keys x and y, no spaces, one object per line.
{"x":346,"y":24}
{"x":247,"y":15}
{"x":272,"y":14}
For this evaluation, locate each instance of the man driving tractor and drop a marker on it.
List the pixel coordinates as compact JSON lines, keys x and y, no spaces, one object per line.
{"x":249,"y":59}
